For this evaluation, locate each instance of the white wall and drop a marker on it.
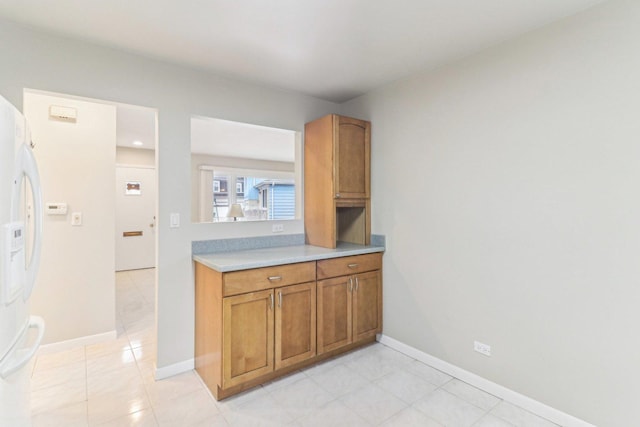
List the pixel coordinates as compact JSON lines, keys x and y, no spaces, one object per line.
{"x":521,"y":166}
{"x":75,"y":287}
{"x":36,"y":60}
{"x":135,"y":156}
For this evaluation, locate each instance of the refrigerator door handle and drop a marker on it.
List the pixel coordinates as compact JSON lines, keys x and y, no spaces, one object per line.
{"x":26,"y":166}
{"x":35,"y":322}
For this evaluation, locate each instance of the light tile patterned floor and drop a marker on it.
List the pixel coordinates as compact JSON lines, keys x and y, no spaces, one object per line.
{"x":112,"y":384}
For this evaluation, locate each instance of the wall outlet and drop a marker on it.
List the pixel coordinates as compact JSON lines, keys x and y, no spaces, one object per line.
{"x":277,"y":228}
{"x":482,"y":348}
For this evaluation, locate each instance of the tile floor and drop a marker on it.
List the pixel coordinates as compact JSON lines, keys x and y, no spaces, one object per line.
{"x":112,"y":384}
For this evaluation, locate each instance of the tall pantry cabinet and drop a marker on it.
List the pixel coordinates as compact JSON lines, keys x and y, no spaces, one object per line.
{"x":337,"y":161}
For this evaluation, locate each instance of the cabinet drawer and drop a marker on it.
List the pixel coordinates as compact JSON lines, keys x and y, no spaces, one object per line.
{"x":349,"y":265}
{"x":256,"y":279}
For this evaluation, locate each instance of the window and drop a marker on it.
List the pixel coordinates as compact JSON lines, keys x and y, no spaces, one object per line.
{"x":262,"y":194}
{"x":277,"y":196}
{"x":247,"y":154}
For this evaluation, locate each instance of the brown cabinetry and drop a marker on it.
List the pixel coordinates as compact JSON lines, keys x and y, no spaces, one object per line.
{"x":267,"y":330}
{"x":247,"y":337}
{"x":352,"y":153}
{"x":254,"y":325}
{"x":334,"y":313}
{"x":247,"y":325}
{"x":295,"y":324}
{"x":349,"y":300}
{"x":337,"y":153}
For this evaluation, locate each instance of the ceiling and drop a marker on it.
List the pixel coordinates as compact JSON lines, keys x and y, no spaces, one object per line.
{"x":331,"y":49}
{"x":135,"y":124}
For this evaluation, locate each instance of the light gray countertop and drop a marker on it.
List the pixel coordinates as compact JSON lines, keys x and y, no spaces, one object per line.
{"x":255,"y":258}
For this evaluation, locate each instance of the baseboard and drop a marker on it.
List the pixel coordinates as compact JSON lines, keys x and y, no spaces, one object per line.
{"x":175,"y":369}
{"x":477,"y":381}
{"x":77,"y":342}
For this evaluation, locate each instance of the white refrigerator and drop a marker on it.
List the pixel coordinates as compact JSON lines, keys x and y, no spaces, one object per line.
{"x":20,"y":242}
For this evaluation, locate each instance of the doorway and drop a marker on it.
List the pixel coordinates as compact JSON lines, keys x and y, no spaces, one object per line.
{"x":135,"y":228}
{"x":135,"y":188}
{"x":78,"y":156}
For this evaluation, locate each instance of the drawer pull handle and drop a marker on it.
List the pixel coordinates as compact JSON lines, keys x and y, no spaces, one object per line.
{"x":356,"y":284}
{"x":352,"y":265}
{"x":280,"y":299}
{"x":274,"y":278}
{"x":271,"y":300}
{"x":350,"y":284}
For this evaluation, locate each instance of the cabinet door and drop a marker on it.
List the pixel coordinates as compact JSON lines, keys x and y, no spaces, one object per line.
{"x":367,"y":305}
{"x":352,"y":158}
{"x":247,"y":336}
{"x":334,"y":313}
{"x":295,"y":324}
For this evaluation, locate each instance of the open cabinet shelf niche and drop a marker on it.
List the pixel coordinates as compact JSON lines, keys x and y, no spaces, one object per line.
{"x":352,"y":225}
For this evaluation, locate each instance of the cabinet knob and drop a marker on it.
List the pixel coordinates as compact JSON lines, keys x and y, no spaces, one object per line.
{"x":337,"y":195}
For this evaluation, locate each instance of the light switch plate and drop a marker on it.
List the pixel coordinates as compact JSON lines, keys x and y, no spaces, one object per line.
{"x":76,"y":218}
{"x":174,"y":220}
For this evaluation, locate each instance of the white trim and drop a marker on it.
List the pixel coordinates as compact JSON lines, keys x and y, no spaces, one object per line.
{"x":175,"y":369}
{"x":77,"y":342}
{"x":259,"y":173}
{"x":134,"y":166}
{"x":477,"y":381}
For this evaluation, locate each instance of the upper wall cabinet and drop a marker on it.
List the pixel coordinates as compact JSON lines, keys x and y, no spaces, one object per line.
{"x":337,"y":153}
{"x":352,"y":153}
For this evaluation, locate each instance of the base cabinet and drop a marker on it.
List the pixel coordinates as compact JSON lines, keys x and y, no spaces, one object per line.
{"x":367,"y":305}
{"x":349,"y":306}
{"x":335,"y":302}
{"x":295,"y":324}
{"x":248,"y":337}
{"x":267,"y":330}
{"x":254,"y":325}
